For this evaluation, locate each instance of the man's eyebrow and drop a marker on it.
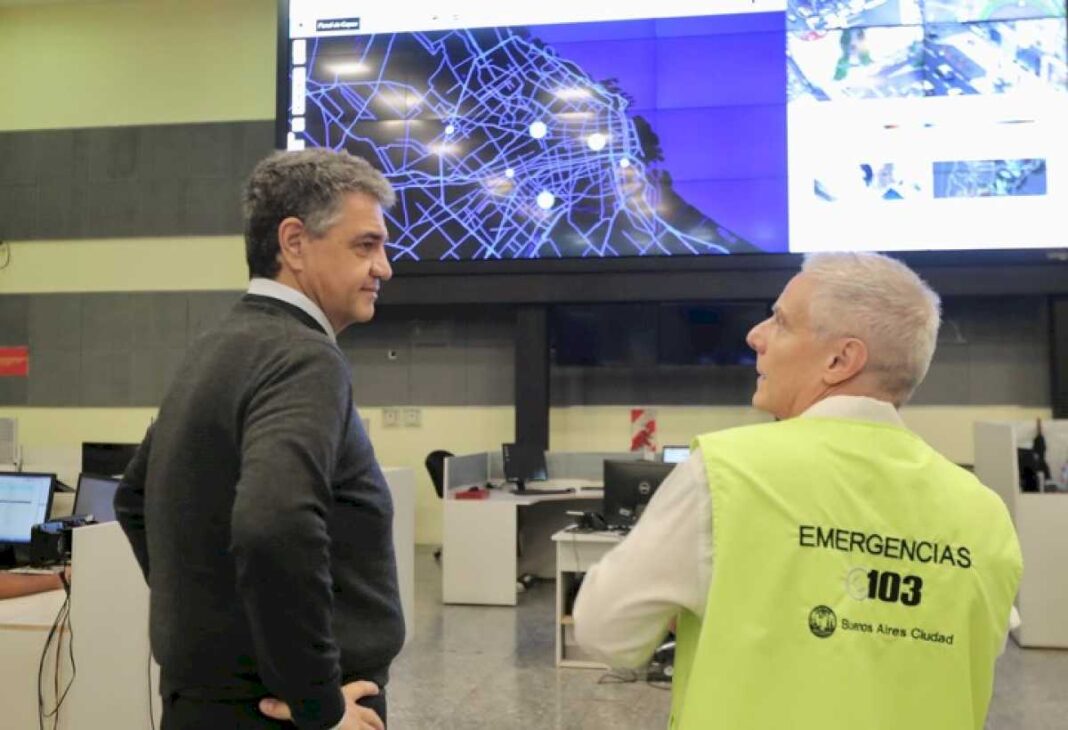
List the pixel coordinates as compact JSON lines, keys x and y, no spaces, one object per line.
{"x":375,"y":235}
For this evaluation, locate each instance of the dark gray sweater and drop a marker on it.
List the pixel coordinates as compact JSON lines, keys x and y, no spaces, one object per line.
{"x":262,"y":521}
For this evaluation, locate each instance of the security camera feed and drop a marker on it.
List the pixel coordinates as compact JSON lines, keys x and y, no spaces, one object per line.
{"x":816,"y":15}
{"x":701,"y":127}
{"x":1025,"y":56}
{"x":967,"y":11}
{"x":857,"y":63}
{"x":989,"y":178}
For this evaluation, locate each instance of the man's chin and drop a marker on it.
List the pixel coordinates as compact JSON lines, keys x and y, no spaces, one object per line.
{"x":760,"y":403}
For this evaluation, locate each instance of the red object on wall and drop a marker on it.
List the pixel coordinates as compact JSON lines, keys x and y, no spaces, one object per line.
{"x":643,"y":429}
{"x":14,"y":362}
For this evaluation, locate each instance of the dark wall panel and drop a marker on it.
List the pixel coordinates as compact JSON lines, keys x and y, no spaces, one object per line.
{"x":165,"y":180}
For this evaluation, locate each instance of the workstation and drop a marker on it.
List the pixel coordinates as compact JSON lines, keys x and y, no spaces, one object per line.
{"x":590,"y":220}
{"x":496,"y":533}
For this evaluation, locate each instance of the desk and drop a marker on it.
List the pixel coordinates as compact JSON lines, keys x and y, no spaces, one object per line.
{"x":576,"y":552}
{"x":109,"y":627}
{"x":401,"y":481}
{"x":24,"y":626}
{"x":479,"y":551}
{"x":479,"y":554}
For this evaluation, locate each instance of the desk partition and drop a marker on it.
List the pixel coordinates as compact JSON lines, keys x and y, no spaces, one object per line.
{"x":468,"y":470}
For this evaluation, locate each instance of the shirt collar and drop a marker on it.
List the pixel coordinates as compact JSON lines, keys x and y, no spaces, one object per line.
{"x":275,"y":290}
{"x":855,"y":407}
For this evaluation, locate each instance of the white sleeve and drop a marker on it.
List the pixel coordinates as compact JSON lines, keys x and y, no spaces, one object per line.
{"x":629,"y":598}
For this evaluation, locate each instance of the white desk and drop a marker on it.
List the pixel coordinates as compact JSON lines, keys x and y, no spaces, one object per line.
{"x":481,"y":536}
{"x":576,"y":552}
{"x":401,"y":481}
{"x":109,"y":627}
{"x":24,"y":626}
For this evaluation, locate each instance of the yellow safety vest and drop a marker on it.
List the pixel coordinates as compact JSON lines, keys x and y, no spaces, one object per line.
{"x":861,"y":582}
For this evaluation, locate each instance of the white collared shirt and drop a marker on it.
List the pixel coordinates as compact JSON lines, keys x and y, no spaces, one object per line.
{"x":275,"y":290}
{"x":629,"y":598}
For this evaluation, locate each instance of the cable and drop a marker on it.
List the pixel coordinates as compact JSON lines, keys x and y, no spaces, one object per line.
{"x":619,"y":676}
{"x":60,"y":626}
{"x":60,"y":616}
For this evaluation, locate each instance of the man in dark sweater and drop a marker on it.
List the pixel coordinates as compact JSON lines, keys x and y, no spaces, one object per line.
{"x":255,"y":505}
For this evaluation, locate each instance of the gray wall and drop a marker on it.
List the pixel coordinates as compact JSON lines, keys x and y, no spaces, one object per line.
{"x":164,"y":180}
{"x":121,"y":350}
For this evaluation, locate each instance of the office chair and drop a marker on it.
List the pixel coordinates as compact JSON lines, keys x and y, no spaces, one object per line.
{"x":435,"y":467}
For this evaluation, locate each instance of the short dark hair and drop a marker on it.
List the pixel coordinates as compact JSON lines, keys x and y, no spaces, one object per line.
{"x":305,"y":184}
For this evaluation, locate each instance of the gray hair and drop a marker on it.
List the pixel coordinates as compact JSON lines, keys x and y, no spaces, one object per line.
{"x":309,"y":185}
{"x":883,"y":303}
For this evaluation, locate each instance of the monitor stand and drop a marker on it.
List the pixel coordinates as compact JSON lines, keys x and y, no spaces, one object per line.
{"x":7,"y":557}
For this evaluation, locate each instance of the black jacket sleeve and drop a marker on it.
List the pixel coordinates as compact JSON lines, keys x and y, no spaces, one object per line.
{"x":130,"y":502}
{"x":291,"y":433}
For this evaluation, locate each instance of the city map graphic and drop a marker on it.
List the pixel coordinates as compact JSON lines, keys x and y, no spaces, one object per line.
{"x":501,"y":148}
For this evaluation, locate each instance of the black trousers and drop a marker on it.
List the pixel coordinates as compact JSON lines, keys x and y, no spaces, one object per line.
{"x":183,"y":713}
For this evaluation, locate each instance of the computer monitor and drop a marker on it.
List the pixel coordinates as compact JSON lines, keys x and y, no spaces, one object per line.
{"x":1028,"y":463}
{"x":95,"y":497}
{"x":675,"y":454}
{"x":628,"y":487}
{"x":524,"y":463}
{"x":106,"y":458}
{"x":25,"y":501}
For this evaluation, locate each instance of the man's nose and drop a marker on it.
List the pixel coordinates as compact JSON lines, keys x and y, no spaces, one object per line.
{"x":755,"y":339}
{"x":381,"y":269}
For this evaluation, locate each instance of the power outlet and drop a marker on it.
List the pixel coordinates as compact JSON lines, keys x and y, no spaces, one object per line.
{"x":391,"y":417}
{"x":413,"y":417}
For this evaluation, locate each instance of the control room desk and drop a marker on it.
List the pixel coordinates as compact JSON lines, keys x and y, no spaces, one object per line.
{"x":481,"y":564}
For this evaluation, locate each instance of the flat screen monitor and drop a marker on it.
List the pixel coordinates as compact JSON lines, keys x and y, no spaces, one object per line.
{"x":593,"y":130}
{"x":524,"y":463}
{"x":25,"y":501}
{"x":628,"y":487}
{"x":109,"y":459}
{"x":96,"y":495}
{"x":676,"y":454}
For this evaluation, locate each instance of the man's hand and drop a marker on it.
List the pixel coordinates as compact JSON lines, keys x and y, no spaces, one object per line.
{"x":357,"y":717}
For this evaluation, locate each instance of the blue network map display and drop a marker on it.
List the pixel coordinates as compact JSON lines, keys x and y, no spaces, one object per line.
{"x":664,"y":137}
{"x":597,"y":139}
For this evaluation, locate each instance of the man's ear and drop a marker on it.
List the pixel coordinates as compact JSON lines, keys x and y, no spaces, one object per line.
{"x":291,"y":243}
{"x":847,"y":360}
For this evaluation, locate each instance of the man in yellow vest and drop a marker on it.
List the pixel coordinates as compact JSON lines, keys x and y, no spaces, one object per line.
{"x":828,"y":571}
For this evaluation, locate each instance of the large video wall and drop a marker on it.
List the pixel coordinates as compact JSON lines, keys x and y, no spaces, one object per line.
{"x":568,"y":130}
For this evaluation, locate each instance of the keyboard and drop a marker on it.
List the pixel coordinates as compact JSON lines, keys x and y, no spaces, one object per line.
{"x":536,"y":492}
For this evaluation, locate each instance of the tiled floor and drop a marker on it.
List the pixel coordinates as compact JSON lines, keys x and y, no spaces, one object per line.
{"x":483,"y":668}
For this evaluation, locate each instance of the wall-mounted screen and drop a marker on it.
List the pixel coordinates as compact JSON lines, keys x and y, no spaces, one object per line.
{"x":574,"y":129}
